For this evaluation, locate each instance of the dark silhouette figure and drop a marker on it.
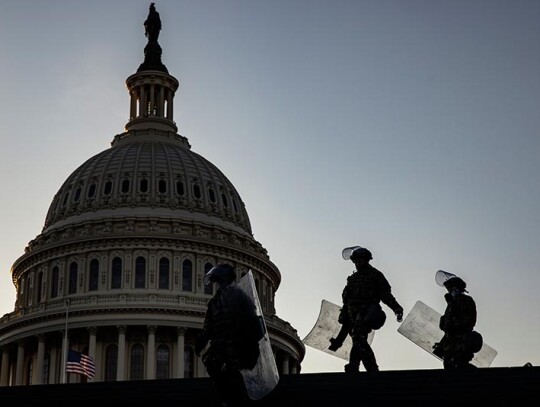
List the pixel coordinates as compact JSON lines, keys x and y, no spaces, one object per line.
{"x":232,"y":329}
{"x":152,"y":25}
{"x":361,"y":312}
{"x":152,"y":50}
{"x":460,"y":342}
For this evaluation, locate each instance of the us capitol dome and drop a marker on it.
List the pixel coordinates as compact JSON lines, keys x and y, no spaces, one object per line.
{"x":127,"y":239}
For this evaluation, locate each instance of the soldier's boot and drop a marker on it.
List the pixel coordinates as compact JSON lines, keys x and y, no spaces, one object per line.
{"x":368,"y":359}
{"x":352,"y":368}
{"x":354,"y":359}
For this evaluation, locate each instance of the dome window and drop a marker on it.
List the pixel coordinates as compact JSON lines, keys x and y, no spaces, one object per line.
{"x":77,"y":194}
{"x":55,"y":282}
{"x":91,"y":191}
{"x":140,"y":272}
{"x":162,"y":186}
{"x":180,"y":188}
{"x":164,"y":273}
{"x":143,"y":185}
{"x":108,"y":188}
{"x":73,"y":277}
{"x":197,"y":191}
{"x":116,"y":274}
{"x":235,"y":205}
{"x":225,"y":201}
{"x":212,"y":195}
{"x":94,"y":275}
{"x":66,"y":196}
{"x":125,"y":186}
{"x":187,"y":275}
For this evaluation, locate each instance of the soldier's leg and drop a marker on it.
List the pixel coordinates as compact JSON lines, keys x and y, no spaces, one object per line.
{"x":361,"y":352}
{"x":368,"y":358}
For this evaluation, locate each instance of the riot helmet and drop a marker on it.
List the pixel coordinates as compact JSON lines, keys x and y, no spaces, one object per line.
{"x":449,"y":280}
{"x":356,"y":252}
{"x":222,"y":274}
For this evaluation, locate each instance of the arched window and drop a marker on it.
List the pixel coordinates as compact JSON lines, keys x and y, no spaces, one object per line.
{"x":93,"y":281}
{"x":107,"y":189}
{"x":73,"y":274}
{"x":163,"y":358}
{"x":125,"y":186}
{"x":54,"y":282}
{"x":180,"y":188}
{"x":189,"y":362}
{"x":116,"y":273}
{"x":111,"y":361}
{"x":140,"y":272}
{"x":208,"y":289}
{"x":136,"y":362}
{"x":38,"y":286}
{"x":212,"y":195}
{"x":28,"y":292}
{"x":143,"y":185}
{"x":164,"y":273}
{"x":187,"y":275}
{"x":91,"y":191}
{"x":197,"y":191}
{"x":162,"y":186}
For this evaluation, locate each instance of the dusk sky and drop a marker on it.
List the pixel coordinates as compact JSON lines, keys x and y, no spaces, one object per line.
{"x":410,"y":127}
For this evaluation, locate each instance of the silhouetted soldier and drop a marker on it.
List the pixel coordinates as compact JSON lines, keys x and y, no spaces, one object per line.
{"x":361,"y":312}
{"x":232,"y":329}
{"x":460,"y":342}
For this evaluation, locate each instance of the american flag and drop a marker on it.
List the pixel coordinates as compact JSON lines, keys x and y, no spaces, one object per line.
{"x":79,"y":363}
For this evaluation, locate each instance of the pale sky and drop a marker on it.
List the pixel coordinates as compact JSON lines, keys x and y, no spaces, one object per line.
{"x":409,"y":127}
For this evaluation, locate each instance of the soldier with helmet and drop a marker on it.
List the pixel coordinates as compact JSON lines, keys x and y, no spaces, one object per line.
{"x":361,"y":313}
{"x":460,"y":341}
{"x":232,"y":330}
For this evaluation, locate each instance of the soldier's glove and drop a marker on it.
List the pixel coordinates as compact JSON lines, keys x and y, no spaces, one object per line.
{"x":399,"y":314}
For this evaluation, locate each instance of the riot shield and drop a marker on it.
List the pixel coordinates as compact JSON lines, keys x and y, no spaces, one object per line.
{"x":421,"y":326}
{"x":326,"y":327}
{"x":263,"y":378}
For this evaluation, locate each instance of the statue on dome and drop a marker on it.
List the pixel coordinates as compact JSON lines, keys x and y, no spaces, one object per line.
{"x":152,"y":24}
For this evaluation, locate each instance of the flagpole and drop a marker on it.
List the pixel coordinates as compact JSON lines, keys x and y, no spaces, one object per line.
{"x":66,"y":303}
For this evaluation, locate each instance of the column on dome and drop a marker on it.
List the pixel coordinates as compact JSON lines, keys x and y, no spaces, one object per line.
{"x":169,"y":100}
{"x":151,"y":354}
{"x":4,"y":370}
{"x":53,"y":377}
{"x":133,"y":104}
{"x":38,"y":372}
{"x":20,"y":364}
{"x":161,"y":102}
{"x":152,"y":106}
{"x":285,"y":364}
{"x":121,"y":368}
{"x":142,"y":102}
{"x":180,"y":344}
{"x":92,"y":349}
{"x":294,"y":367}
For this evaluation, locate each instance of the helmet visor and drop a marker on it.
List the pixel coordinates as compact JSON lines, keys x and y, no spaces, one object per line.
{"x":442,"y":276}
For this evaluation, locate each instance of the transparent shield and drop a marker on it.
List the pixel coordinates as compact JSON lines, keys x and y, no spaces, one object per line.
{"x":263,"y":378}
{"x":421,"y":326}
{"x":441,"y":276}
{"x":326,"y":327}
